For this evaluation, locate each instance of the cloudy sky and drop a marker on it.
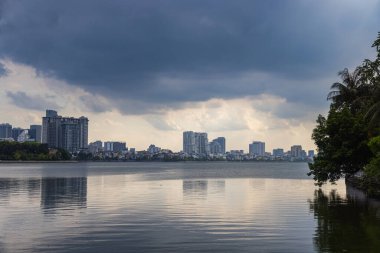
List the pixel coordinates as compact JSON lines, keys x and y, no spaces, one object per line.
{"x":144,"y":71}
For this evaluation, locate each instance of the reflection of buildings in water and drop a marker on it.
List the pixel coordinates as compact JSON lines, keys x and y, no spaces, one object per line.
{"x":194,"y":187}
{"x":10,"y":186}
{"x":63,"y":192}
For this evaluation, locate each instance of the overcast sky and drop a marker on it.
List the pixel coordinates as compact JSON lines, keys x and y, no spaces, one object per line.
{"x":144,"y":71}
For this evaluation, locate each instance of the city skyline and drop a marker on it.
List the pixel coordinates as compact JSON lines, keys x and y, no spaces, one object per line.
{"x":71,"y":134}
{"x":207,"y":67}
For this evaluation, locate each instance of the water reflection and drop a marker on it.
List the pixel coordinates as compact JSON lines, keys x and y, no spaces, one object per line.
{"x":9,"y":186}
{"x":195,"y":188}
{"x":63,"y":192}
{"x":346,"y":224}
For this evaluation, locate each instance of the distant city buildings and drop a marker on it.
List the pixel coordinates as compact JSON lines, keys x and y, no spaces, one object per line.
{"x":5,"y":131}
{"x":95,"y":147}
{"x":71,"y":134}
{"x":278,"y":152}
{"x":16,"y":132}
{"x":35,"y":133}
{"x":152,"y":149}
{"x":114,"y":146}
{"x":257,"y":148}
{"x":195,"y":143}
{"x":296,"y":151}
{"x":68,"y":133}
{"x":218,"y":146}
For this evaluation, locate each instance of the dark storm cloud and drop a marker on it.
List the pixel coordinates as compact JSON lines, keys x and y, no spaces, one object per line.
{"x":163,"y":53}
{"x":93,"y":104}
{"x":23,"y":100}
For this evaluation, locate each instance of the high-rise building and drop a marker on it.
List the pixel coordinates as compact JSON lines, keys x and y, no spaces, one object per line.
{"x":65,"y":132}
{"x":218,"y":146}
{"x":201,"y":144}
{"x":114,"y":146}
{"x":95,"y":147}
{"x":296,"y":151}
{"x":23,"y":136}
{"x":51,"y":129}
{"x":153,"y":149}
{"x":5,"y":130}
{"x":189,"y":142}
{"x":16,"y":131}
{"x":310,"y":153}
{"x":257,"y":148}
{"x":215,"y":147}
{"x":35,"y":132}
{"x":195,"y":143}
{"x":278,"y":152}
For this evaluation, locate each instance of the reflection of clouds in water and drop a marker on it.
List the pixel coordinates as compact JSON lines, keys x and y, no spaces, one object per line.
{"x":257,"y":184}
{"x":217,"y":186}
{"x":63,"y":192}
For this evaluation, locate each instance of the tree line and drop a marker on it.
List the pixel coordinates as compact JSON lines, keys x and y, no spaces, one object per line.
{"x":348,"y":139}
{"x":31,"y":151}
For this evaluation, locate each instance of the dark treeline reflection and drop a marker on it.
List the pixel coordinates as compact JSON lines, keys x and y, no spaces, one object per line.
{"x":9,"y":186}
{"x":63,"y":192}
{"x":350,"y":224}
{"x":54,"y":192}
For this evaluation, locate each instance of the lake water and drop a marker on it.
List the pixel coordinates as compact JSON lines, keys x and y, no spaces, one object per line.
{"x":180,"y":207}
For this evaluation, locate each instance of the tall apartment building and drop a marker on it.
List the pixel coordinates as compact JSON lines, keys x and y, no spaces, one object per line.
{"x":296,"y":151}
{"x":195,"y":143}
{"x":35,"y":132}
{"x":16,"y":131}
{"x":5,"y":130}
{"x":114,"y":146}
{"x":189,"y":142}
{"x":278,"y":152}
{"x":65,"y":132}
{"x":218,"y":146}
{"x":257,"y":148}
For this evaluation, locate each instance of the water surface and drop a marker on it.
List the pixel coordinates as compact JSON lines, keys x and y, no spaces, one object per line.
{"x":180,"y":207}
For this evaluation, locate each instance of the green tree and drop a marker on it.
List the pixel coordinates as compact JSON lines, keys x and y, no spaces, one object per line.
{"x":345,"y":93}
{"x":342,"y":146}
{"x":342,"y":138}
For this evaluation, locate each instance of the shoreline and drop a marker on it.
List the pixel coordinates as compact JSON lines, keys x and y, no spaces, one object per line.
{"x":371,"y":191}
{"x":147,"y":161}
{"x":2,"y":161}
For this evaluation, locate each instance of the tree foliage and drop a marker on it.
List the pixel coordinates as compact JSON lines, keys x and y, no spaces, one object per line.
{"x":31,"y":151}
{"x":351,"y":128}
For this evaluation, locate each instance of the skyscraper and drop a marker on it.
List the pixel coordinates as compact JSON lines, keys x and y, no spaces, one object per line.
{"x":65,"y":132}
{"x":5,"y":130}
{"x":278,"y":152}
{"x":257,"y":148}
{"x":218,"y":146}
{"x":201,"y":144}
{"x":51,"y":128}
{"x":35,"y":132}
{"x":189,"y":142}
{"x":16,"y":131}
{"x":114,"y":146}
{"x":195,"y":143}
{"x":296,"y":151}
